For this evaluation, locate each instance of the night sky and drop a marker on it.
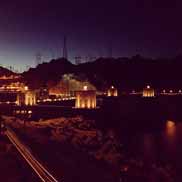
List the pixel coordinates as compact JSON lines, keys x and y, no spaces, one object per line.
{"x":151,"y":28}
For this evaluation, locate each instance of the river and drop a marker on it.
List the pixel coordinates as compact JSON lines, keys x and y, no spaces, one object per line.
{"x":157,"y":146}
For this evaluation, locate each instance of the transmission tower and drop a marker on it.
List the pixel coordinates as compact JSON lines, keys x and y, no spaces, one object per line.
{"x":78,"y":60}
{"x":38,"y":59}
{"x":65,"y":54}
{"x":52,"y":54}
{"x":27,"y":67}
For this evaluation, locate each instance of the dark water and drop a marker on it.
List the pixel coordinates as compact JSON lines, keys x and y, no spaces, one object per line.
{"x":157,"y":146}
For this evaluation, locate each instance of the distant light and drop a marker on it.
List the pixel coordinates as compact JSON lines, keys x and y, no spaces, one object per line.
{"x":85,"y":87}
{"x":148,"y":86}
{"x":171,"y":91}
{"x":26,"y":87}
{"x":164,"y":91}
{"x":112,"y":87}
{"x":29,"y":112}
{"x":17,"y":111}
{"x":179,"y":91}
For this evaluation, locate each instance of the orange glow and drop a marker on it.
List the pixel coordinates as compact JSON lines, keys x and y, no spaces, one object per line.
{"x":11,"y":77}
{"x":112,"y":92}
{"x":85,"y":99}
{"x":170,"y":129}
{"x":30,"y":98}
{"x":26,"y":98}
{"x":170,"y":124}
{"x":148,"y":92}
{"x":26,"y":87}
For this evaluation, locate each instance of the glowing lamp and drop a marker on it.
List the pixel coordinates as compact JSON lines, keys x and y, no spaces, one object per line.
{"x":26,"y":87}
{"x":148,"y":86}
{"x":85,"y":87}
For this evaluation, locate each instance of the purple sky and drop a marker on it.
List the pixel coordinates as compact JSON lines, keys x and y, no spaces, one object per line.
{"x":152,"y":28}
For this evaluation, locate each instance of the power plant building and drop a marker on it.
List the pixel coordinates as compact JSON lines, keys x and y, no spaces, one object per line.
{"x":112,"y":92}
{"x":85,"y":99}
{"x":148,"y":92}
{"x":27,"y":98}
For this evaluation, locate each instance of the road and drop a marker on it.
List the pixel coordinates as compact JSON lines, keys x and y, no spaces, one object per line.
{"x":43,"y":174}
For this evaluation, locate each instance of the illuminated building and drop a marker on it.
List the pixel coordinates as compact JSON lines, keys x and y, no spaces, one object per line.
{"x":10,"y":92}
{"x":85,"y":98}
{"x":26,"y":98}
{"x":68,"y":85}
{"x":30,"y":98}
{"x":10,"y":77}
{"x":148,"y":92}
{"x":112,"y":92}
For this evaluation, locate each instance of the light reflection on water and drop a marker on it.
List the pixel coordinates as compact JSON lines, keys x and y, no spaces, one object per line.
{"x":158,"y":147}
{"x":164,"y":145}
{"x":170,"y":129}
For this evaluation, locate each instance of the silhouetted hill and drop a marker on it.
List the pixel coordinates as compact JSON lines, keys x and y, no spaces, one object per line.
{"x":124,"y":73}
{"x":6,"y":72}
{"x":135,"y":72}
{"x":45,"y":72}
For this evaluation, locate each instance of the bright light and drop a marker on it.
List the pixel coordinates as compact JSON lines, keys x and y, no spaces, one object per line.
{"x":29,"y":112}
{"x":85,"y":87}
{"x":112,"y":87}
{"x":148,"y":86}
{"x":26,"y":87}
{"x":170,"y":124}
